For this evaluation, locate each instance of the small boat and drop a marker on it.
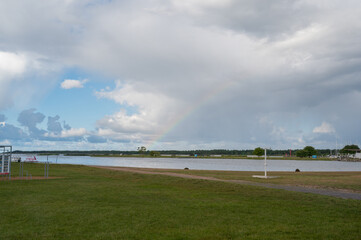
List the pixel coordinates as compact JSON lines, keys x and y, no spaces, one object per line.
{"x":31,"y":159}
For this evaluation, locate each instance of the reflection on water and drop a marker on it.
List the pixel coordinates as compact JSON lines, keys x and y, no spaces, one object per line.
{"x":206,"y":164}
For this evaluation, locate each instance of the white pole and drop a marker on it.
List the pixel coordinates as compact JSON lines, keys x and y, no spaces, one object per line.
{"x":265,"y":162}
{"x":336,"y":147}
{"x":9,"y":163}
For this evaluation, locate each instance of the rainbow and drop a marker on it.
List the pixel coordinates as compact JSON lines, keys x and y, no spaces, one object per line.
{"x":187,"y":112}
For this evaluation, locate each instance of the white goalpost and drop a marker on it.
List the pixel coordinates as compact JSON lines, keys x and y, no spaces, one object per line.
{"x":265,"y":168}
{"x":5,"y":160}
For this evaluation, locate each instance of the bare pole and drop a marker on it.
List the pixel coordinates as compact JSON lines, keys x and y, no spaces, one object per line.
{"x":9,"y":163}
{"x":45,"y":170}
{"x":46,"y":167}
{"x":21,"y":169}
{"x":3,"y":160}
{"x":265,"y":162}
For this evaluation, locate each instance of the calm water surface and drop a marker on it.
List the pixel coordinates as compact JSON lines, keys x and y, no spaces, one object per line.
{"x":206,"y":164}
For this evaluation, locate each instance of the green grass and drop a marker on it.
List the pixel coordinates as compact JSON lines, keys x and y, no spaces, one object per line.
{"x":90,"y":203}
{"x":333,"y":180}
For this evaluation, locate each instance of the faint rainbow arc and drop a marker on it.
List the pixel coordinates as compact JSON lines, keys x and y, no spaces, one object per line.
{"x":187,"y":112}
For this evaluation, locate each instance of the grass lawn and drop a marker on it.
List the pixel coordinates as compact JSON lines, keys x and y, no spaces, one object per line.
{"x":333,"y":180}
{"x":90,"y":203}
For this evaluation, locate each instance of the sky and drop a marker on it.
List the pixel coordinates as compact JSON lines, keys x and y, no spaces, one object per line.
{"x":179,"y":74}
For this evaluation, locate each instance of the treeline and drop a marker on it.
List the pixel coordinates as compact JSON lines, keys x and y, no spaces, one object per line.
{"x":76,"y":153}
{"x":224,"y":152}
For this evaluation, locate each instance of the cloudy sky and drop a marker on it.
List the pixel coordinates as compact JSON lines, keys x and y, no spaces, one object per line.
{"x":179,"y":74}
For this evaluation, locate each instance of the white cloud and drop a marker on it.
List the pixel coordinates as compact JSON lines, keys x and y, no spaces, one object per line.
{"x":67,"y":133}
{"x":73,"y":132}
{"x":290,"y":63}
{"x":152,"y":110}
{"x":11,"y":64}
{"x":19,"y":86}
{"x":324,"y":128}
{"x":70,"y":83}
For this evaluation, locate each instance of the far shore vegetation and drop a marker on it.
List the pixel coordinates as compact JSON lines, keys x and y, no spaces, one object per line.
{"x":307,"y":153}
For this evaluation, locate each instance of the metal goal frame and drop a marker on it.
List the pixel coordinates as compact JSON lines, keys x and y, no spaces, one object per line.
{"x":5,"y":160}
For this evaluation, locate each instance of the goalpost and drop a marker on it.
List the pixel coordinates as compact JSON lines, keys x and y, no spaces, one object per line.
{"x":5,"y":160}
{"x":265,"y":167}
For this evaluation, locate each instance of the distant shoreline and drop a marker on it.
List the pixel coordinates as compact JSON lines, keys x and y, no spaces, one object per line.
{"x":222,"y":157}
{"x":184,"y":156}
{"x":207,"y":157}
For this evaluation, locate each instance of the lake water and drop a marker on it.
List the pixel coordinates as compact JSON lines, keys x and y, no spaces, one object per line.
{"x":206,"y":164}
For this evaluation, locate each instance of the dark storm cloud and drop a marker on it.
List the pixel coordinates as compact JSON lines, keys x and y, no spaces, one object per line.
{"x":54,"y":125}
{"x":66,"y":126}
{"x":2,"y":118}
{"x":10,"y":132}
{"x":30,"y":119}
{"x":30,"y":132}
{"x":259,"y":18}
{"x":291,"y":65}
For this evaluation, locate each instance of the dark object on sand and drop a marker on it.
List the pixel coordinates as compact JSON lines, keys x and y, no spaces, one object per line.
{"x":297,"y":170}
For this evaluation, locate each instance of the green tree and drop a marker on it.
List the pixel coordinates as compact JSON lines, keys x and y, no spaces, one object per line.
{"x":301,"y":153}
{"x":142,"y":149}
{"x":258,"y":151}
{"x":348,"y":149}
{"x":154,"y":154}
{"x":309,"y":151}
